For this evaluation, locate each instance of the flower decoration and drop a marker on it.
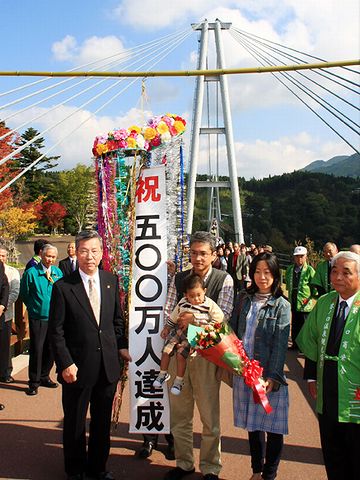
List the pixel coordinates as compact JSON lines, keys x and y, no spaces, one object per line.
{"x":218,"y":344}
{"x":157,"y":131}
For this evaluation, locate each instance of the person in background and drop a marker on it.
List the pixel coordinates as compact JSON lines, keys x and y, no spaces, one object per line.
{"x":298,"y":278}
{"x":4,"y":298}
{"x":267,"y":248}
{"x":35,"y":290}
{"x":69,"y":264}
{"x":330,"y":340}
{"x":261,"y":318}
{"x":355,"y":248}
{"x":220,"y":261}
{"x":321,"y":279}
{"x":13,"y":277}
{"x":88,"y":338}
{"x":36,"y":258}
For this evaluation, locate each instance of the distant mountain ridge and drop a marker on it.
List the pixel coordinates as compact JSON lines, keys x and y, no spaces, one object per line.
{"x":340,"y":166}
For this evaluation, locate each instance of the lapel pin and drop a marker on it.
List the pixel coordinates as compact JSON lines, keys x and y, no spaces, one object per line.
{"x":108,"y":286}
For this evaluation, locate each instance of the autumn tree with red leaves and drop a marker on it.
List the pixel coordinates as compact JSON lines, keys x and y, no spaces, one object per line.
{"x":7,"y":169}
{"x":52,"y":215}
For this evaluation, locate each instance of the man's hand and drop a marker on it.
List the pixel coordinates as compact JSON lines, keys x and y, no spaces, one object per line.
{"x":165,"y":332}
{"x":70,"y":374}
{"x":2,"y":309}
{"x":184,"y":320}
{"x":124,"y":354}
{"x":312,"y":388}
{"x":171,"y":268}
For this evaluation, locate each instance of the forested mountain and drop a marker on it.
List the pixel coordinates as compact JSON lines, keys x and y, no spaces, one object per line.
{"x":288,"y":208}
{"x":341,"y":166}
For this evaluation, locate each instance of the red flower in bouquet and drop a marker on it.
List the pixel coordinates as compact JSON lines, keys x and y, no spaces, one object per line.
{"x":219,"y":344}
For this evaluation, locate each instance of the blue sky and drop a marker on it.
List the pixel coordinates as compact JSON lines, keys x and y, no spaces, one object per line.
{"x":274,"y":133}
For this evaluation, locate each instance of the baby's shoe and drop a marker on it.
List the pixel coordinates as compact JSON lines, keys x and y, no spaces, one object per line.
{"x":161,"y":379}
{"x":177,"y":387}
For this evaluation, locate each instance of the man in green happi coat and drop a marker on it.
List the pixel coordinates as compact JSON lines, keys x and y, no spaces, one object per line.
{"x":321,"y":279}
{"x":298,"y":277}
{"x":330,"y":340}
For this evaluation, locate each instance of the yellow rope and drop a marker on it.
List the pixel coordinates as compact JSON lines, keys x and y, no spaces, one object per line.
{"x":187,"y":73}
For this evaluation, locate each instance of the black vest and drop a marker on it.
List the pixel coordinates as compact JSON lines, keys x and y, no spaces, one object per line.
{"x":213,"y":284}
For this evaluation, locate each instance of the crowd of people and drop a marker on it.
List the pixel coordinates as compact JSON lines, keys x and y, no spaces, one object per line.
{"x":75,"y":320}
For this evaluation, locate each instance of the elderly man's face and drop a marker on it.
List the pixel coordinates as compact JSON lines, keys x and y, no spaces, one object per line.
{"x":48,"y":257}
{"x":344,"y":278}
{"x":329,"y":251}
{"x":71,"y":250}
{"x":299,"y":260}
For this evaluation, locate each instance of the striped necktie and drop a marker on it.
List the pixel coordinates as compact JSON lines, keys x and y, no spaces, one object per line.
{"x":94,"y":300}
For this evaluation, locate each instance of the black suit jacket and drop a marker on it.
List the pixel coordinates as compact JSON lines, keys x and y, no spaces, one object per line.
{"x":66,"y":267}
{"x":4,"y":290}
{"x":75,"y":335}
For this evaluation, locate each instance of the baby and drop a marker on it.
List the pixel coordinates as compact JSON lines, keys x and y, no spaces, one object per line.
{"x":204,"y":311}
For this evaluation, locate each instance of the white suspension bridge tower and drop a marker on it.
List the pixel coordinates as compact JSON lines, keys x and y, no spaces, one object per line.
{"x":198,"y":129}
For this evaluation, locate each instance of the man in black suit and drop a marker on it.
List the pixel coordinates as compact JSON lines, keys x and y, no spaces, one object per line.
{"x":88,"y":337}
{"x":70,"y":263}
{"x":4,"y":297}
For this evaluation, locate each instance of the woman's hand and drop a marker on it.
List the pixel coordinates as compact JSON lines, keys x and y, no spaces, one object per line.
{"x":269,"y":385}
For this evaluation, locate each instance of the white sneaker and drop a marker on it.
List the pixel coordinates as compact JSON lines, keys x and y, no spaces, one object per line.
{"x":177,"y":387}
{"x":161,"y":379}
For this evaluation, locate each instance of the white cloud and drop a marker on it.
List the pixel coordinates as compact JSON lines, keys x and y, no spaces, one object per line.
{"x":260,"y":158}
{"x":157,"y":14}
{"x":93,"y":49}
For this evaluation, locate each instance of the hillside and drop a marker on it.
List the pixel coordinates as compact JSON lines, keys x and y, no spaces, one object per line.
{"x":340,"y":166}
{"x":285,"y":209}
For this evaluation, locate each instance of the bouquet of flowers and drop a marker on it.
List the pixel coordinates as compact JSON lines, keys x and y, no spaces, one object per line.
{"x":218,"y":344}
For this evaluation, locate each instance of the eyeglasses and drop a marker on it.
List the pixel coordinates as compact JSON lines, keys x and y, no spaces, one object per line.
{"x":202,"y":254}
{"x":92,"y":253}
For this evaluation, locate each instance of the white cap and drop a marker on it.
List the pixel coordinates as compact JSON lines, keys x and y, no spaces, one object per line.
{"x":300,"y":250}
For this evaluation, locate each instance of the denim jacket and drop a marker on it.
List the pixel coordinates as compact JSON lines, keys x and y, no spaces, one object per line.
{"x":271,"y":334}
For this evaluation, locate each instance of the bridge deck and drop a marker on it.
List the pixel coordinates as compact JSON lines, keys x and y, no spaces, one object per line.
{"x":30,"y":440}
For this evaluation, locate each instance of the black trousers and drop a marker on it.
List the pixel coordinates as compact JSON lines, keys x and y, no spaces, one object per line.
{"x":41,"y":358}
{"x":265,"y":455}
{"x":340,"y":447}
{"x":297,"y":321}
{"x":5,"y":357}
{"x":75,"y":405}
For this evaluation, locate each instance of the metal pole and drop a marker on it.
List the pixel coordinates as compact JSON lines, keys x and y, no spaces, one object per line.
{"x":239,"y":234}
{"x":195,"y":138}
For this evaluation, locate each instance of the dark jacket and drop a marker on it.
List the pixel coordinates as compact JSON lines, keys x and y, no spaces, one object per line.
{"x":75,"y":335}
{"x":66,"y":267}
{"x":4,"y":290}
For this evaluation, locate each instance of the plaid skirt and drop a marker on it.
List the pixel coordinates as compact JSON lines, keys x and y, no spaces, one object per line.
{"x":252,"y":416}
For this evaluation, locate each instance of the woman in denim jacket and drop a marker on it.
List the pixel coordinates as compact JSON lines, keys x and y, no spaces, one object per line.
{"x":261,"y":318}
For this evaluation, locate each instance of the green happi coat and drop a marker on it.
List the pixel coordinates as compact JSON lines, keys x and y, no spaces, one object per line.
{"x":304,"y":302}
{"x":313,"y":339}
{"x":321,"y":277}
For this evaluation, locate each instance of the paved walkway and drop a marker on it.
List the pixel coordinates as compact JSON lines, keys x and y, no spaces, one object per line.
{"x":30,"y":436}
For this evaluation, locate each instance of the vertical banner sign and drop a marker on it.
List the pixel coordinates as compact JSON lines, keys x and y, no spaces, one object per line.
{"x":149,"y":406}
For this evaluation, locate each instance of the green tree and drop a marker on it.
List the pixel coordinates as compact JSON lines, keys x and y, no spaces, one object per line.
{"x":76,"y":191}
{"x":31,"y":153}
